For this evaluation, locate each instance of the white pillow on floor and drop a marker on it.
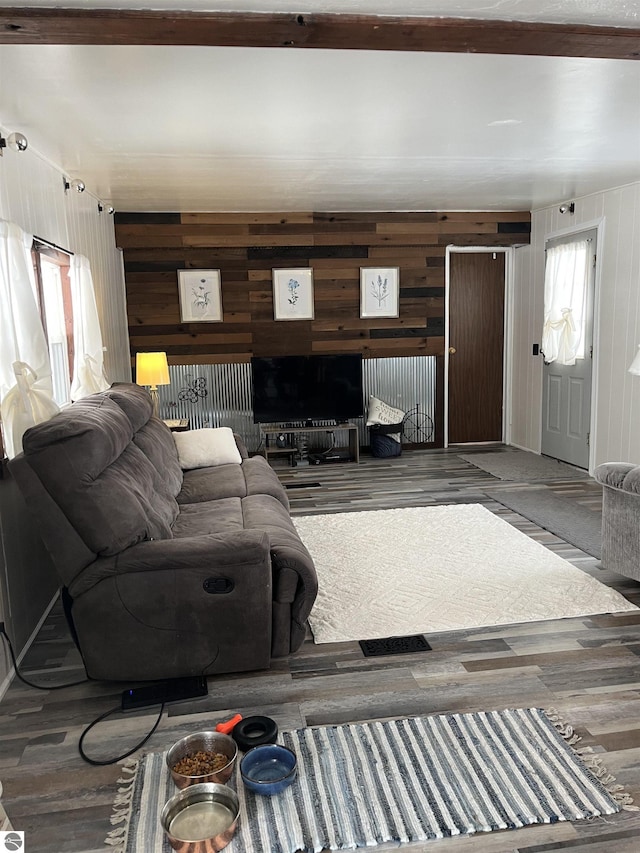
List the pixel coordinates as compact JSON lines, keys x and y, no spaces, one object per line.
{"x":383,"y":414}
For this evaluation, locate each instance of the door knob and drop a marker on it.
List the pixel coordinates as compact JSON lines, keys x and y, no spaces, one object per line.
{"x":452,"y":350}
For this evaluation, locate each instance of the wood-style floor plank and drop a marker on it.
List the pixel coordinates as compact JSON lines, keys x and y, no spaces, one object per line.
{"x":587,"y":668}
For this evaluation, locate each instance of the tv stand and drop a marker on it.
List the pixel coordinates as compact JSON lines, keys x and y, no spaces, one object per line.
{"x":270,"y":431}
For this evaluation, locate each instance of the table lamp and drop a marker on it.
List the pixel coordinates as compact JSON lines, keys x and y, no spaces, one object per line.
{"x":152,"y":370}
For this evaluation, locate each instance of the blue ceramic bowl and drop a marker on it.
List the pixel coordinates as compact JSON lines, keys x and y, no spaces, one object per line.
{"x":268,"y":769}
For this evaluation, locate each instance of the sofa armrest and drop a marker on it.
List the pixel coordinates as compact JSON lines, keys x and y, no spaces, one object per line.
{"x":619,"y":475}
{"x":194,"y":606}
{"x":234,"y":553}
{"x":295,"y":587}
{"x":233,"y":549}
{"x":242,"y":447}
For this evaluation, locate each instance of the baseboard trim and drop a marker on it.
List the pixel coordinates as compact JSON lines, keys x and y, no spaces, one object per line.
{"x":11,"y":674}
{"x":521,"y":447}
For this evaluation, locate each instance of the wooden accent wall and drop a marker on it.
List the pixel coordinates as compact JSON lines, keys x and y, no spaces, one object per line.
{"x":246,"y":247}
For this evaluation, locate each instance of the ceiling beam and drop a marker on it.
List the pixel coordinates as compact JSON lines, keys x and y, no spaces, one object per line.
{"x":334,"y":31}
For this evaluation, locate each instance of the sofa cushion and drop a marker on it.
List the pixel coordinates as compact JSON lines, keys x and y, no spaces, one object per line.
{"x":205,"y":517}
{"x":211,"y":484}
{"x":150,"y":434}
{"x":253,"y":477}
{"x":261,"y":479}
{"x":106,"y":486}
{"x":156,"y":442}
{"x":204,"y":448}
{"x":134,"y":401}
{"x":90,"y":418}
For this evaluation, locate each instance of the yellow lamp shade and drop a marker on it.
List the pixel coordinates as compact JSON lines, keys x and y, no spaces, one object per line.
{"x":152,"y":369}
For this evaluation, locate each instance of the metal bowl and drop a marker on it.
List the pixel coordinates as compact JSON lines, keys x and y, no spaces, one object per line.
{"x":206,"y":742}
{"x":269,"y":769}
{"x":201,"y":818}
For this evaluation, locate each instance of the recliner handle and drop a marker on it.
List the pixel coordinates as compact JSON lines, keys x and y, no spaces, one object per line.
{"x":218,"y":586}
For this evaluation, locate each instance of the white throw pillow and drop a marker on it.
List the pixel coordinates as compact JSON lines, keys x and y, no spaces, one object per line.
{"x":201,"y":448}
{"x":382,"y":413}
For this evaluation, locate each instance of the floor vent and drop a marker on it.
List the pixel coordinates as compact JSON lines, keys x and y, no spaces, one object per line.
{"x":394,"y":646}
{"x":302,"y":485}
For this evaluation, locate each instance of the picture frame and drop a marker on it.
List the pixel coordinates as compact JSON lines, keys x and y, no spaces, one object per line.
{"x":200,"y":294}
{"x":379,"y":292}
{"x":293,"y":294}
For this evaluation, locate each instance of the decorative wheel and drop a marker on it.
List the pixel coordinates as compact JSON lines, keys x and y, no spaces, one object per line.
{"x":417,"y":427}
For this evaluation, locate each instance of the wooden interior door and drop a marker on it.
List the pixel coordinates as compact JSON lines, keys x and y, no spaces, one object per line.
{"x":476,"y":344}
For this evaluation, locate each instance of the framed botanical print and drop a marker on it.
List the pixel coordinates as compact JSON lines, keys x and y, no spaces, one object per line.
{"x":379,"y":292}
{"x":293,"y":294}
{"x":200,"y":296}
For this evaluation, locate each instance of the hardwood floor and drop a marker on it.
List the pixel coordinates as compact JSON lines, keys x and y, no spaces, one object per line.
{"x":586,"y":668}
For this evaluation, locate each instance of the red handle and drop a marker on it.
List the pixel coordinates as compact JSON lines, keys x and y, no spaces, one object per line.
{"x":228,"y":726}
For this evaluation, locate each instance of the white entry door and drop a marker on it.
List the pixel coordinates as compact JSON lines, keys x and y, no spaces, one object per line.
{"x":566,"y":398}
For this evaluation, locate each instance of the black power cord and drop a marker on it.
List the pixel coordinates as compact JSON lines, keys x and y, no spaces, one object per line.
{"x":103,"y":762}
{"x":94,"y":761}
{"x":7,"y":640}
{"x":333,"y":444}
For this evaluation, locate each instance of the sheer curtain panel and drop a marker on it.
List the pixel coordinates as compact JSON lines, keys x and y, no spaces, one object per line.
{"x":25,"y":371}
{"x":88,"y":362}
{"x":565,"y":289}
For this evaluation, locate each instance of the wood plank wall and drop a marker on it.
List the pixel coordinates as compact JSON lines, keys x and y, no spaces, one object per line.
{"x":246,"y":247}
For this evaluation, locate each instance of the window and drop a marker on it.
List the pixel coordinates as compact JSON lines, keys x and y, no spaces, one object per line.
{"x":567,"y":267}
{"x":54,"y":298}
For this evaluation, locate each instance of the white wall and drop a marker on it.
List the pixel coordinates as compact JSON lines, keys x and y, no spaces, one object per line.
{"x":616,"y":433}
{"x":32,"y":195}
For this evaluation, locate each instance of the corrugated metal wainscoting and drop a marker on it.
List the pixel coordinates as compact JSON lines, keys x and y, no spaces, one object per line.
{"x":221,"y":395}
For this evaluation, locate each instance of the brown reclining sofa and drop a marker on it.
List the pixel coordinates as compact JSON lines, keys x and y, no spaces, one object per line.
{"x":166,"y":573}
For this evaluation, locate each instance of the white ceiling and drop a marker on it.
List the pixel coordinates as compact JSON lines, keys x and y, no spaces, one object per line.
{"x":212,"y":128}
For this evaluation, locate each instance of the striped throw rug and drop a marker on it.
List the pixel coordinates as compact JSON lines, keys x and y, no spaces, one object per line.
{"x":403,"y":780}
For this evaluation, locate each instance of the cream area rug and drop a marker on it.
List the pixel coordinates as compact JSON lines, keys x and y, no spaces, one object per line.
{"x":416,"y":570}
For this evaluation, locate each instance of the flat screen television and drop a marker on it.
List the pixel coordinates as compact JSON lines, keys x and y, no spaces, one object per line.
{"x":292,"y":388}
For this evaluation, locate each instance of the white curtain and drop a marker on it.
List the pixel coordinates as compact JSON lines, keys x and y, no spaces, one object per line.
{"x":565,"y":290}
{"x":88,"y":362}
{"x":25,"y":370}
